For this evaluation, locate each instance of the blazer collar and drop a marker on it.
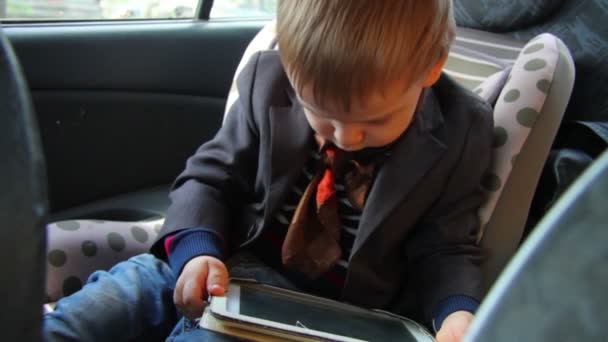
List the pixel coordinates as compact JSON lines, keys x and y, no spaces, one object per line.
{"x":290,"y":139}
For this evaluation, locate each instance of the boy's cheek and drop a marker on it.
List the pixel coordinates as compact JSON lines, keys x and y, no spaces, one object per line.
{"x":323,"y":129}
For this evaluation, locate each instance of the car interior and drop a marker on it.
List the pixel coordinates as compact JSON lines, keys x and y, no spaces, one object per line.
{"x":99,"y":117}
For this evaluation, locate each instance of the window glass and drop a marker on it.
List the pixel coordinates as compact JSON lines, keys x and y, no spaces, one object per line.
{"x":243,"y":9}
{"x":96,"y":9}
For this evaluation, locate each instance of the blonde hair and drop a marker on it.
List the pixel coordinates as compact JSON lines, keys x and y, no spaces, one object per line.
{"x":346,"y":48}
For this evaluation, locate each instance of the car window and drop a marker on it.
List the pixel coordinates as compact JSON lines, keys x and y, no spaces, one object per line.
{"x":33,"y":10}
{"x":243,"y":9}
{"x":41,"y":10}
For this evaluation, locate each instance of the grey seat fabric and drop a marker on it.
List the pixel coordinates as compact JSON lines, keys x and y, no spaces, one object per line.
{"x":504,"y":16}
{"x":23,"y":206}
{"x":554,"y":289}
{"x":504,"y":231}
{"x":580,"y":24}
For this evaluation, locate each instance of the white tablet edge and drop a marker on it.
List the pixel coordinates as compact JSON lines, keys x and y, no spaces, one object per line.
{"x":224,"y":307}
{"x":219,"y":305}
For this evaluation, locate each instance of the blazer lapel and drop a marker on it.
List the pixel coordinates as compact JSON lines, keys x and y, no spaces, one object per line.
{"x":410,"y":159}
{"x":290,"y":136}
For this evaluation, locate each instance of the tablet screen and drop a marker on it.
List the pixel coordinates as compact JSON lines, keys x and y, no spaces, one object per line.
{"x":321,"y":316}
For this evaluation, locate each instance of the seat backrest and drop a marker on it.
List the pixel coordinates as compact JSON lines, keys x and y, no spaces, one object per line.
{"x":529,"y":86}
{"x":527,"y":114}
{"x":554,"y":289}
{"x":23,"y":206}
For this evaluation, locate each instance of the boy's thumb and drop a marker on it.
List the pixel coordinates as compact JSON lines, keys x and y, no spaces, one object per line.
{"x":217,"y":280}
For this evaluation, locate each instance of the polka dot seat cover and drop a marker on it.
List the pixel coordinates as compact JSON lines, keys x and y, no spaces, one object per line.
{"x":517,"y":107}
{"x":78,"y":248}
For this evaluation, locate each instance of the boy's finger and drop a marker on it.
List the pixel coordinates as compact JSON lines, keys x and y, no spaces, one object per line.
{"x":446,"y":335}
{"x":177,"y":293}
{"x":193,"y":297}
{"x":442,"y":336}
{"x":217,"y":280}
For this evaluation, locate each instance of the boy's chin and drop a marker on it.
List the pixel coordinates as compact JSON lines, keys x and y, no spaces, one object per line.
{"x":357,"y":148}
{"x":361,"y":148}
{"x":352,"y":148}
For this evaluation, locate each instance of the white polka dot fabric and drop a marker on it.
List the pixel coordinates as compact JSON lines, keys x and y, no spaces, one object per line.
{"x":77,"y":248}
{"x":517,"y":107}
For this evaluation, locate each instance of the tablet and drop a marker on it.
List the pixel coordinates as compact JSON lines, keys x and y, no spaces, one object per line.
{"x":297,"y":316}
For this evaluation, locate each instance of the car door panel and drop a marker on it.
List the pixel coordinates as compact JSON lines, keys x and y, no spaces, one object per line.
{"x":122,"y":105}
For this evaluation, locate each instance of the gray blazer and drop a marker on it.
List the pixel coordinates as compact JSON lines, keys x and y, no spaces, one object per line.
{"x":416,"y":242}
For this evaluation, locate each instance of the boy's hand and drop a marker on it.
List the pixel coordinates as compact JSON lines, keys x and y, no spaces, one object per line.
{"x":454,"y":327}
{"x":201,"y":276}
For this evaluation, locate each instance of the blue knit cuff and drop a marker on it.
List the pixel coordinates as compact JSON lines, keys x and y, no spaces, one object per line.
{"x":191,"y":243}
{"x":452,"y":304}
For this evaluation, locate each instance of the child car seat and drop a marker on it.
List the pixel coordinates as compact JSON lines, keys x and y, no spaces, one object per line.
{"x":529,"y":86}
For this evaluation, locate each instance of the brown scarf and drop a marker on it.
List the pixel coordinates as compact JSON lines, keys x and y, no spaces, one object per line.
{"x":312,"y":244}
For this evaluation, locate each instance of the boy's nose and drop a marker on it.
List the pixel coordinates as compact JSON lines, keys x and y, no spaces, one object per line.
{"x":348,"y":137}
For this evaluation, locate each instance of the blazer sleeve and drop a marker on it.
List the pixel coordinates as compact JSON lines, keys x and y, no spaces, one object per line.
{"x":442,"y":251}
{"x":219,"y":177}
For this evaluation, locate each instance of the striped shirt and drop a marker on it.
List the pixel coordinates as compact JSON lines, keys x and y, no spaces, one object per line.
{"x":268,"y":247}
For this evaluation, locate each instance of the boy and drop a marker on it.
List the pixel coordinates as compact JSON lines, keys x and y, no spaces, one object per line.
{"x":349,"y":164}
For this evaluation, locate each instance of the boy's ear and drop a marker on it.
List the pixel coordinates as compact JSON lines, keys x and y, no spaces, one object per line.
{"x":435,"y":72}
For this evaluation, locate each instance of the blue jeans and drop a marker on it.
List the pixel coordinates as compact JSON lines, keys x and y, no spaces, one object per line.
{"x":134,"y":301}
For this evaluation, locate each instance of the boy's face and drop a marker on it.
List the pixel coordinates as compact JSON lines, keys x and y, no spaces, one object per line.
{"x":374,"y":121}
